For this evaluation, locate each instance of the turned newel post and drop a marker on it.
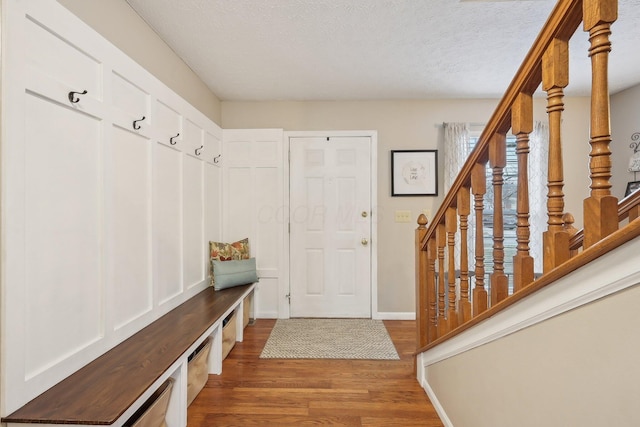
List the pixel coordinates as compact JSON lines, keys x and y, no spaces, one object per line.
{"x":555,"y":77}
{"x":600,"y":208}
{"x":522,"y":126}
{"x":479,"y":188}
{"x":422,"y":287}
{"x":498,"y":161}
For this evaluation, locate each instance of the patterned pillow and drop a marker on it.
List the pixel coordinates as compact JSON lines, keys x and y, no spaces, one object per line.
{"x":227,"y":252}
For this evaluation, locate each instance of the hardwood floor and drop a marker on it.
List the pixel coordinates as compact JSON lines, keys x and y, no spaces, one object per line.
{"x":276,"y":392}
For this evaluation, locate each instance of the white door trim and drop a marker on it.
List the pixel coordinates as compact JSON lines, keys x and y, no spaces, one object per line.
{"x":285,"y":288}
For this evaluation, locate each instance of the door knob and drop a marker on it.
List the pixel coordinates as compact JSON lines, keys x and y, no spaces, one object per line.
{"x":364,"y":242}
{"x":364,"y":214}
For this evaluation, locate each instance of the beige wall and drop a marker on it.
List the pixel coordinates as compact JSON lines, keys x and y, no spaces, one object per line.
{"x":408,"y":125}
{"x":625,"y":121}
{"x":400,"y":125}
{"x":577,"y":369}
{"x":118,"y":22}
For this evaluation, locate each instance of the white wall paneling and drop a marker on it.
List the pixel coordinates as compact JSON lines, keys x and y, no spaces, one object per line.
{"x":105,"y":217}
{"x":128,"y":214}
{"x":254,"y":207}
{"x":193,"y":220}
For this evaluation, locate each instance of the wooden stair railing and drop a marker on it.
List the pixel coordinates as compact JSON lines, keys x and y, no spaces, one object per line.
{"x":446,"y":303}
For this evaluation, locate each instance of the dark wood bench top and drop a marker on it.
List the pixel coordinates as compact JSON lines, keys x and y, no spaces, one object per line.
{"x":100,"y":392}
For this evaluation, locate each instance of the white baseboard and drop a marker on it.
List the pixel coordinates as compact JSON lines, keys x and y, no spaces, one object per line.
{"x":394,"y":315}
{"x":436,"y":403}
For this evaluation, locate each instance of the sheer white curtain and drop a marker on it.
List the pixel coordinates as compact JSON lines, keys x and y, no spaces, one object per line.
{"x":457,"y":148}
{"x":538,"y":167}
{"x":456,"y":151}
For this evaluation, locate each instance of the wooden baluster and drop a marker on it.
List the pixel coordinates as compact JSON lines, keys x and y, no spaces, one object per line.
{"x":498,"y":161}
{"x":634,"y":213}
{"x":451,"y":228}
{"x":432,"y":255}
{"x":422,"y":285}
{"x":441,"y":242}
{"x":464,"y":209}
{"x":600,"y":208}
{"x":479,"y":188}
{"x":522,"y":126}
{"x":555,"y":77}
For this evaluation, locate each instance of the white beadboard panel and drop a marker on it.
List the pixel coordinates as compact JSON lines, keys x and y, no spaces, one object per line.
{"x":240,"y":207}
{"x":94,"y":216}
{"x":193,"y":221}
{"x":266,"y":153}
{"x":168,"y":123}
{"x":212,"y":146}
{"x":63,"y":61}
{"x":128,"y":172}
{"x":192,"y":136}
{"x":167,"y":221}
{"x":64,"y":297}
{"x":237,"y":151}
{"x":130,"y":99}
{"x":268,"y":225}
{"x":212,"y":209}
{"x":266,"y":298}
{"x":254,"y":206}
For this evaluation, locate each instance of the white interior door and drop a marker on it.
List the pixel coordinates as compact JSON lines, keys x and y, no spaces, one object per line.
{"x":330,"y":216}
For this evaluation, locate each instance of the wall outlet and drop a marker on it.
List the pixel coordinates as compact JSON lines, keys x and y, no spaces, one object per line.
{"x":403,"y":216}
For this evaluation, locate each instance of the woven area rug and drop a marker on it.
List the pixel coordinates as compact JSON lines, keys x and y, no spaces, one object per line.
{"x":329,"y":339}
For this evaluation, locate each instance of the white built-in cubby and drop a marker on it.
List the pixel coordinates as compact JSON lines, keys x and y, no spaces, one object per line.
{"x":111,"y":191}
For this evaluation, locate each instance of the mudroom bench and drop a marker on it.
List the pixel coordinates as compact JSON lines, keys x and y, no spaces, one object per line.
{"x":117,"y":385}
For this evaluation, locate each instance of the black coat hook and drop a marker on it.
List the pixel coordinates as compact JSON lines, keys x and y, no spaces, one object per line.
{"x":136,"y":126}
{"x":216,"y":159}
{"x":635,"y":145}
{"x":73,"y":99}
{"x":199,"y":149}
{"x":171,"y":140}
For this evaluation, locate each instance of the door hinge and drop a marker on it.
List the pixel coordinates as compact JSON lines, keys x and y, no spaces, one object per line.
{"x":289,"y":227}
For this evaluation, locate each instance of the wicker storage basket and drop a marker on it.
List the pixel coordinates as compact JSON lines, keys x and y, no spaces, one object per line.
{"x":198,"y":370}
{"x":228,"y":335}
{"x":154,"y":410}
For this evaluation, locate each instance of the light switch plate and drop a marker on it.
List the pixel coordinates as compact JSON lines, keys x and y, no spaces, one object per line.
{"x":403,"y":216}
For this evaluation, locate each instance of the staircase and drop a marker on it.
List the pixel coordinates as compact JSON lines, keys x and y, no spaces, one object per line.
{"x":559,"y":347}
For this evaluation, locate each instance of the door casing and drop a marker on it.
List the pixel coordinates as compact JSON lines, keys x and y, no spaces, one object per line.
{"x":284,"y":312}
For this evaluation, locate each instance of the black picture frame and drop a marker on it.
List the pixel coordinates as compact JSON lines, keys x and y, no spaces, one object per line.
{"x":414,"y":173}
{"x":632,"y":186}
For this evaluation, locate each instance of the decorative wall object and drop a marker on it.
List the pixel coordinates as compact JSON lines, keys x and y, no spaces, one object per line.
{"x":414,"y":172}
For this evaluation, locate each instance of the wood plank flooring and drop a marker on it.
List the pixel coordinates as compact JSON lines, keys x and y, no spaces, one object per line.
{"x":276,"y":392}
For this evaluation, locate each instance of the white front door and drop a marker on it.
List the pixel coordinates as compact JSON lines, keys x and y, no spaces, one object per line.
{"x":330,"y":215}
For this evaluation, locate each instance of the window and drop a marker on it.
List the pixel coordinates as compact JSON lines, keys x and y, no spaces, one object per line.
{"x":509,"y":210}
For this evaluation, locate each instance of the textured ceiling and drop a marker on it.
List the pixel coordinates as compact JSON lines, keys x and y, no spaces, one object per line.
{"x":372,"y":49}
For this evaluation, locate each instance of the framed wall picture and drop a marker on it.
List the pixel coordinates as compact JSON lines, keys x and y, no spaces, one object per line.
{"x":414,"y":173}
{"x":631,"y":187}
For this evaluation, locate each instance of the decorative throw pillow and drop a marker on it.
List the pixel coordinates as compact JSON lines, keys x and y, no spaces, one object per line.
{"x":233,"y":273}
{"x":242,"y":248}
{"x":227,"y":252}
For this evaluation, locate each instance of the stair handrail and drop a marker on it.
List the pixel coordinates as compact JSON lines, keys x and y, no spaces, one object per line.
{"x":444,"y":310}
